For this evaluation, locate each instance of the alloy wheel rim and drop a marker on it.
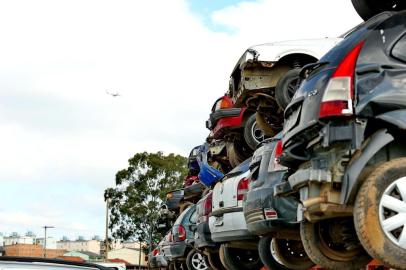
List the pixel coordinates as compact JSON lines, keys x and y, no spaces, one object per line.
{"x":257,"y":133}
{"x":198,"y":261}
{"x":392,"y":212}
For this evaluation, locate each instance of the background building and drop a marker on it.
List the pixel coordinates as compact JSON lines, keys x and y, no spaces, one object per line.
{"x":79,"y":245}
{"x":51,"y":242}
{"x":87,"y":256}
{"x":30,"y":250}
{"x":15,"y":238}
{"x":130,"y":255}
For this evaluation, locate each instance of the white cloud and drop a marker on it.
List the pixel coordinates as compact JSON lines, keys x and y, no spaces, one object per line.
{"x":58,"y":125}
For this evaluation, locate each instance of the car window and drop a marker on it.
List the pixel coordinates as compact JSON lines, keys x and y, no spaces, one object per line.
{"x":399,"y":49}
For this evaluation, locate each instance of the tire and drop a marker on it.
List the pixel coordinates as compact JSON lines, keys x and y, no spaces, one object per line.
{"x":214,"y":261}
{"x":239,"y":259}
{"x":366,"y":9}
{"x":324,"y":249}
{"x":234,"y":156}
{"x":286,"y":87}
{"x":263,"y":124}
{"x":276,"y":254}
{"x":196,"y":261}
{"x":381,"y":197}
{"x":253,"y":135}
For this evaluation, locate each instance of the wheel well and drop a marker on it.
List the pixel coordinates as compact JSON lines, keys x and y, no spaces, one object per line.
{"x":297,"y":60}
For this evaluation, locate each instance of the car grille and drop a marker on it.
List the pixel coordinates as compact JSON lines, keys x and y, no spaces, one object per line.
{"x":254,"y":215}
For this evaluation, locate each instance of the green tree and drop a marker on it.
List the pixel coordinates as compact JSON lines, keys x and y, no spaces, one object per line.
{"x":139,"y":193}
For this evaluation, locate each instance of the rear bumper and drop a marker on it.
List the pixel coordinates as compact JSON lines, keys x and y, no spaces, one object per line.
{"x":229,"y":227}
{"x":203,"y":236}
{"x":174,"y":250}
{"x":161,"y":261}
{"x":261,"y":199}
{"x":152,"y":262}
{"x":229,"y":122}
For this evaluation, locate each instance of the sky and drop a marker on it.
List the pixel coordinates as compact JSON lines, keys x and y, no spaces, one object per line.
{"x":63,"y":138}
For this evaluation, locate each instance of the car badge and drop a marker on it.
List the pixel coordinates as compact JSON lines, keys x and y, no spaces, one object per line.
{"x":313,"y":93}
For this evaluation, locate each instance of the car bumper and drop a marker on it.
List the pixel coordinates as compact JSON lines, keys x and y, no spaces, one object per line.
{"x":226,"y":123}
{"x":161,"y":261}
{"x":229,"y":227}
{"x":174,"y":250}
{"x":152,"y":262}
{"x":203,"y":236}
{"x":261,"y":200}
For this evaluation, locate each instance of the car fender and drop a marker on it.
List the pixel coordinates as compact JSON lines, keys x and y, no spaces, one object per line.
{"x":396,"y":118}
{"x":351,"y":179}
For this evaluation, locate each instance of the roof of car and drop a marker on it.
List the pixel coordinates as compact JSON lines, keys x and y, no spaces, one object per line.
{"x":25,"y":260}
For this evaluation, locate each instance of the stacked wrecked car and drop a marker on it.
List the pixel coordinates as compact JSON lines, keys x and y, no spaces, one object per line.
{"x":305,"y":162}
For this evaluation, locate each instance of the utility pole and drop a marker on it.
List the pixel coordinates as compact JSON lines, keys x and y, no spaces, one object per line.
{"x":45,"y":239}
{"x":107,"y":230}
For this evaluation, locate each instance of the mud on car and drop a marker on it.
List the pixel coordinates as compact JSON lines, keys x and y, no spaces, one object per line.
{"x":344,"y":139}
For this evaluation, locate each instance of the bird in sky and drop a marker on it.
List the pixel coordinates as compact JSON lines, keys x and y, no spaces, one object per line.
{"x":113,"y":94}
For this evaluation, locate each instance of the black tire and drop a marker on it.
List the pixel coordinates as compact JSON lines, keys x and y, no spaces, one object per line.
{"x":286,"y":87}
{"x":263,"y":124}
{"x":324,"y":249}
{"x":366,"y":9}
{"x":196,"y":261}
{"x":276,"y":254}
{"x":239,"y":259}
{"x":214,"y":261}
{"x":253,"y":135}
{"x":234,"y":156}
{"x":370,"y":212}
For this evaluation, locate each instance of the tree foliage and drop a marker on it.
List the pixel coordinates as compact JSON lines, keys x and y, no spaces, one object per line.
{"x":140,"y":191}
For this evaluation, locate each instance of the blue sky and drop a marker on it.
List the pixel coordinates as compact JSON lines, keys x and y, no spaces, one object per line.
{"x":205,"y":8}
{"x":63,"y":138}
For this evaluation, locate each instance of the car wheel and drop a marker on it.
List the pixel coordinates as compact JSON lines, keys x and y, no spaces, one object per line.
{"x":286,"y":87}
{"x":366,"y":9}
{"x":234,"y":155}
{"x":196,"y":261}
{"x":214,"y":261}
{"x":263,"y":124}
{"x":236,"y":258}
{"x":333,"y":244}
{"x":253,"y":134}
{"x":380,"y":213}
{"x":281,"y":254}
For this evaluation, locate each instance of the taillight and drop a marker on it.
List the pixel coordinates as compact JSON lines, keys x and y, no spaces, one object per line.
{"x":242,"y":188}
{"x":155,"y":252}
{"x":207,"y":204}
{"x":224,"y":103}
{"x":277,"y":155}
{"x":181,"y":233}
{"x":339,"y":94}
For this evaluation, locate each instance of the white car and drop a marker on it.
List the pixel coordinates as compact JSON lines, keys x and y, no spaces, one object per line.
{"x":238,"y":247}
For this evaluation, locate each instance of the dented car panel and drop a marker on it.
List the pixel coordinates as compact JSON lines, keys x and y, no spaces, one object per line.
{"x":258,"y":68}
{"x":264,"y":212}
{"x":336,"y":153}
